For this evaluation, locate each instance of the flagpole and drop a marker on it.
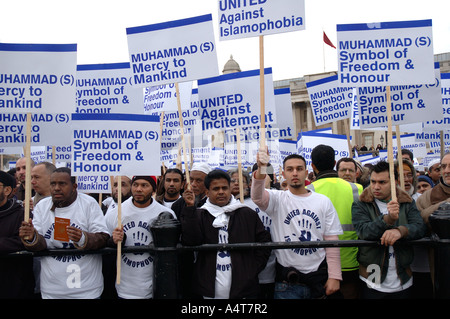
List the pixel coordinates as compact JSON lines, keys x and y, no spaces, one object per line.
{"x":323,"y":50}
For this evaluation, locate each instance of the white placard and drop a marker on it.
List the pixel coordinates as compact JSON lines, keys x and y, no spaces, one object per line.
{"x":329,"y":101}
{"x":163,"y":98}
{"x":308,"y":140}
{"x":46,"y":129}
{"x":171,"y":52}
{"x":385,"y":53}
{"x":115,"y":144}
{"x":444,"y":124}
{"x":409,"y":103}
{"x":233,"y":100}
{"x":243,"y":19}
{"x":107,"y":88}
{"x":37,"y":78}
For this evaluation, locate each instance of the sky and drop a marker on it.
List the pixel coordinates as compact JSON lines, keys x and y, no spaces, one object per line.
{"x":98,"y":27}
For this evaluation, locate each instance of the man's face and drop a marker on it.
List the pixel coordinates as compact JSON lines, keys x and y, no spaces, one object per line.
{"x":125,"y":188}
{"x":21,"y":170}
{"x":445,"y":169}
{"x":435,"y":172}
{"x":61,"y":188}
{"x":295,"y":172}
{"x":408,"y":178}
{"x":40,"y":179}
{"x":380,"y":185}
{"x":219,"y":192}
{"x":198,"y":182}
{"x":347,"y":171}
{"x":173,"y":184}
{"x":142,"y":192}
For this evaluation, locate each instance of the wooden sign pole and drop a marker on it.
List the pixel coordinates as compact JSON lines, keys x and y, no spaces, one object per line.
{"x":186,"y":168}
{"x":27,"y":169}
{"x":239,"y":158}
{"x":390,"y":146}
{"x":119,"y":225}
{"x":399,"y":157}
{"x":262,"y":137}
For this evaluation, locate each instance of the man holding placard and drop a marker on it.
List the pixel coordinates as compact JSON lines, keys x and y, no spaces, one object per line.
{"x":138,"y":213}
{"x":67,"y":220}
{"x":299,"y":215}
{"x":386,"y":270}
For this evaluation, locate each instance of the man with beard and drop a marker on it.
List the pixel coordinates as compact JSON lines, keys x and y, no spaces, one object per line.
{"x":171,"y":187}
{"x":409,"y":177}
{"x":429,"y":202}
{"x":299,"y":214}
{"x":21,"y":166}
{"x":60,"y":277}
{"x":126,"y":192}
{"x":137,"y":215}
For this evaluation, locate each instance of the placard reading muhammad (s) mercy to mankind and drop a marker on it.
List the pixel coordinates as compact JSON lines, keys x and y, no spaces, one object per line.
{"x":172,"y":52}
{"x":37,"y":78}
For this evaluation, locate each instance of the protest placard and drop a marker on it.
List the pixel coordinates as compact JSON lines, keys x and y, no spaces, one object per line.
{"x":385,"y":53}
{"x":306,"y":142}
{"x":37,"y":78}
{"x":232,"y":100}
{"x":409,"y":103}
{"x":329,"y":101}
{"x":172,"y":52}
{"x":444,"y":123}
{"x":241,"y":19}
{"x":163,"y":98}
{"x":107,"y":88}
{"x":115,"y":144}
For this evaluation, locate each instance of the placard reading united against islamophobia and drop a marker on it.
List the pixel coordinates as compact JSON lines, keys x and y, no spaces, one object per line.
{"x":385,"y":53}
{"x":250,"y":18}
{"x":172,"y":52}
{"x":37,"y":78}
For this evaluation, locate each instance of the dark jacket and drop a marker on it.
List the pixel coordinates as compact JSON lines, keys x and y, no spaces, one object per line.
{"x":244,"y":227}
{"x":369,"y":225}
{"x":16,"y":273}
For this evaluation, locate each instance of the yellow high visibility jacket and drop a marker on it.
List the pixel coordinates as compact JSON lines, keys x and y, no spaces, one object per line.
{"x":342,"y":194}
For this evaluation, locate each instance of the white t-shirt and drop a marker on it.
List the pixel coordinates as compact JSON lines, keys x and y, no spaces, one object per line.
{"x":77,"y":276}
{"x":136,"y":276}
{"x":267,"y":275}
{"x":301,"y":218}
{"x":392,"y":282}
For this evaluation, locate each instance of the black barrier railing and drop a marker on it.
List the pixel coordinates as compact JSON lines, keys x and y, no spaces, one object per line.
{"x":268,"y":245}
{"x":165,"y":262}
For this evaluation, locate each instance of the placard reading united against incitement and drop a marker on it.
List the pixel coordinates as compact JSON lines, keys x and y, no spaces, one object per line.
{"x":385,"y":53}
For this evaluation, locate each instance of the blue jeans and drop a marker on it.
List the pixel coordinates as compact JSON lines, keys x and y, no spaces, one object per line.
{"x":284,"y":290}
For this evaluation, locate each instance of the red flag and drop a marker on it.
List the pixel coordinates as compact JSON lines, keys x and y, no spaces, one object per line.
{"x":327,"y":41}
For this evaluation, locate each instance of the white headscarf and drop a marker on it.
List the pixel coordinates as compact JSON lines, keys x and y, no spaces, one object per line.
{"x":219,"y":212}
